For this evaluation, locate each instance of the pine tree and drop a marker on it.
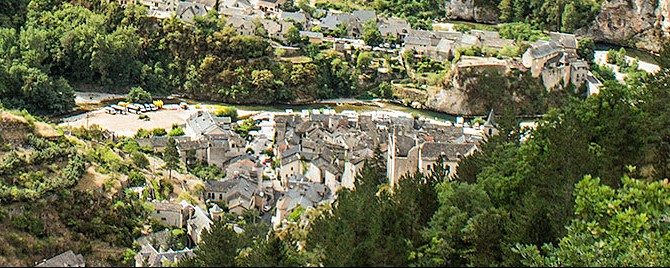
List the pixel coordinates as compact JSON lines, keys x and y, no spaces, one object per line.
{"x":171,"y":157}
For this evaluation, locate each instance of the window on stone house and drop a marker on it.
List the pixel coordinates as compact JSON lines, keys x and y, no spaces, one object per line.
{"x":220,"y":196}
{"x":158,"y":212}
{"x":163,"y":219}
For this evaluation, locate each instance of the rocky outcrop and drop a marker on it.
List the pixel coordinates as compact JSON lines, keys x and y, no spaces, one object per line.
{"x":644,"y":24}
{"x":467,"y":10}
{"x":449,"y":100}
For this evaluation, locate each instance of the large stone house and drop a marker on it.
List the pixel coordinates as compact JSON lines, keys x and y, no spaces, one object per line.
{"x":171,"y":214}
{"x":148,"y":256}
{"x":212,"y":140}
{"x":65,"y":259}
{"x":556,"y":61}
{"x":409,"y":152}
{"x":300,"y":193}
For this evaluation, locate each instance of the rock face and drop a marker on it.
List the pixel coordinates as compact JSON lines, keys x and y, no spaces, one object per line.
{"x":644,"y":24}
{"x":466,"y":10}
{"x":449,"y":100}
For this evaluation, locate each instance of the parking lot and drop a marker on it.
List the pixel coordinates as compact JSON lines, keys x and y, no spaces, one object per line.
{"x":128,"y":124}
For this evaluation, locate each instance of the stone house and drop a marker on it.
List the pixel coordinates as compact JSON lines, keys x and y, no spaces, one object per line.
{"x":299,"y":193}
{"x":269,"y":5}
{"x":238,"y":191}
{"x":148,"y":256}
{"x":171,"y":214}
{"x":65,"y":259}
{"x":197,"y":222}
{"x":188,"y":10}
{"x":393,"y":27}
{"x":314,"y":37}
{"x":298,"y":17}
{"x":212,"y":140}
{"x":238,"y":4}
{"x":418,"y":150}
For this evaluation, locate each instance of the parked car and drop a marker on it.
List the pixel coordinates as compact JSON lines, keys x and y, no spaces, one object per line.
{"x":153,"y":107}
{"x":110,"y":110}
{"x":119,"y":109}
{"x":132,"y":108}
{"x":141,"y":107}
{"x":146,"y":106}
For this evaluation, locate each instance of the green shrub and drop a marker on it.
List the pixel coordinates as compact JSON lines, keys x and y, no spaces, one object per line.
{"x":227,"y":111}
{"x":176,"y":132}
{"x":158,"y":132}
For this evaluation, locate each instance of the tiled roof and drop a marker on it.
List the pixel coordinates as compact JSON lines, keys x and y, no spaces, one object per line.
{"x":65,"y":259}
{"x":166,"y":206}
{"x":453,"y":151}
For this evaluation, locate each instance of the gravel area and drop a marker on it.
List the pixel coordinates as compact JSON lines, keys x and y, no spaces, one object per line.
{"x":128,"y":124}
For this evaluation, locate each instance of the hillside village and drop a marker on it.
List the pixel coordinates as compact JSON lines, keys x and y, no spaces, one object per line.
{"x":555,"y":60}
{"x":297,"y":160}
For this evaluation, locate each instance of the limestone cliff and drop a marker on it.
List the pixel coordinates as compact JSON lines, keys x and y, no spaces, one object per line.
{"x":644,"y":24}
{"x":468,"y":10}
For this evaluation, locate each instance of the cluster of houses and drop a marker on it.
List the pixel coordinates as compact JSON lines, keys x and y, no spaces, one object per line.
{"x":554,"y":60}
{"x":314,"y":153}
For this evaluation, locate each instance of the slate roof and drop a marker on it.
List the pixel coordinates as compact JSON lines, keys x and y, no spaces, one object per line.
{"x":65,"y":259}
{"x":240,"y":21}
{"x":564,"y":39}
{"x":237,"y":4}
{"x":403,"y":144}
{"x":393,"y":26}
{"x":272,"y":27}
{"x":544,"y":49}
{"x":196,"y":9}
{"x":154,"y":258}
{"x":432,"y":150}
{"x":309,"y":34}
{"x":303,"y":193}
{"x":414,"y":40}
{"x":497,"y":43}
{"x":485,"y":34}
{"x":469,"y":40}
{"x":204,"y":124}
{"x":297,"y":16}
{"x":232,"y":187}
{"x":166,"y":206}
{"x":364,"y":15}
{"x":207,"y":3}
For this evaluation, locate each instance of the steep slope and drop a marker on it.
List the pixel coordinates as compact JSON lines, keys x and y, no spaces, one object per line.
{"x":644,"y":24}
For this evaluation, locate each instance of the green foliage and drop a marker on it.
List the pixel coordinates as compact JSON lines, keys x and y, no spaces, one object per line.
{"x":137,"y":94}
{"x":139,"y":159}
{"x":136,"y":179}
{"x":602,"y":72}
{"x":142,"y":134}
{"x":371,"y":226}
{"x":371,"y":34}
{"x":520,"y":31}
{"x":227,"y":111}
{"x":204,"y":171}
{"x":247,"y":125}
{"x":586,"y":48}
{"x":174,"y":132}
{"x":617,"y":57}
{"x":158,"y":132}
{"x":171,"y":157}
{"x":464,"y":28}
{"x":566,"y":16}
{"x":613,"y":227}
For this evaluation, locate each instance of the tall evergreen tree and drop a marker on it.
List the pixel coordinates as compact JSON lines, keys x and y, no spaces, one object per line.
{"x":171,"y":157}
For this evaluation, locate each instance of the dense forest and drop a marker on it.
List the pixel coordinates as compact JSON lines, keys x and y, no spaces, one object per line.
{"x":47,"y":48}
